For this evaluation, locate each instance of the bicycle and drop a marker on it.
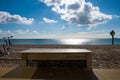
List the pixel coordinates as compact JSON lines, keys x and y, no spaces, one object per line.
{"x":7,"y":46}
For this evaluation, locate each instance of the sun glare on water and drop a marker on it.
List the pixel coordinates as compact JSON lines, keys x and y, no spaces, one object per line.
{"x":74,"y":41}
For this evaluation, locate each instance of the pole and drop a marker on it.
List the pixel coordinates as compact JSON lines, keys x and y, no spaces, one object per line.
{"x":112,"y":33}
{"x":112,"y":40}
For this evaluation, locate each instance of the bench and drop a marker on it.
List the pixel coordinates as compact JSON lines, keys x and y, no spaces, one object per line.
{"x":56,"y":54}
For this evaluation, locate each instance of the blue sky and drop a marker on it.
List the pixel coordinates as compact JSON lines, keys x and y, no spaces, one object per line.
{"x":59,"y":18}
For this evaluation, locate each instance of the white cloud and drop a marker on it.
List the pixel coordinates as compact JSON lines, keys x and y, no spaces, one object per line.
{"x":83,"y":35}
{"x":22,"y":31}
{"x":1,"y":31}
{"x":46,"y":20}
{"x":5,"y":33}
{"x":116,"y":16}
{"x":6,"y":17}
{"x":63,"y":27}
{"x":8,"y":32}
{"x":35,"y":32}
{"x":78,"y":12}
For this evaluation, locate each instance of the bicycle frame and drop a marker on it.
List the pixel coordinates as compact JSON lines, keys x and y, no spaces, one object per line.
{"x":7,"y":45}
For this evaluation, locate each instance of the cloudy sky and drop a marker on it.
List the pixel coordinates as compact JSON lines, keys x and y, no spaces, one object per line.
{"x":59,"y":18}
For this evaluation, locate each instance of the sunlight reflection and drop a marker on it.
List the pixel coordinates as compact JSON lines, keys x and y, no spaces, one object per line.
{"x":74,"y":41}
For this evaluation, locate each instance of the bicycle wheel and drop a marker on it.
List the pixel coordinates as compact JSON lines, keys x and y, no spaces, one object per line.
{"x":7,"y":49}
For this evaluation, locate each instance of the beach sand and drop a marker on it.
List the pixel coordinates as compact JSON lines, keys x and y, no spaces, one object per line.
{"x":105,"y":65}
{"x":103,"y":56}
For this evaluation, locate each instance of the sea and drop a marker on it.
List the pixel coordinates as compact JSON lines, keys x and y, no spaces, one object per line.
{"x":105,"y":41}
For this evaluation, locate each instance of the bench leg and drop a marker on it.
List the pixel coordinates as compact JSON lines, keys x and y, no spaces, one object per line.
{"x":89,"y":62}
{"x":24,"y":59}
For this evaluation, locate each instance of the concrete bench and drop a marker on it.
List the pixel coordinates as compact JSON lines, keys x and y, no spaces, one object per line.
{"x":57,"y":54}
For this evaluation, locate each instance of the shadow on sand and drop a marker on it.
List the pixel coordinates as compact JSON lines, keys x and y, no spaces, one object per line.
{"x":51,"y":73}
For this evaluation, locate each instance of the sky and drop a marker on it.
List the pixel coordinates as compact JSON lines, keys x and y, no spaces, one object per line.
{"x":59,"y":19}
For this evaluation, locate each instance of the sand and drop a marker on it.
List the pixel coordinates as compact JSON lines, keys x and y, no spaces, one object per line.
{"x":105,"y":65}
{"x":103,"y":56}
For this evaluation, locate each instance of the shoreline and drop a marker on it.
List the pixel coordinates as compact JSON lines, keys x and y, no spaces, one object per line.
{"x":103,"y":56}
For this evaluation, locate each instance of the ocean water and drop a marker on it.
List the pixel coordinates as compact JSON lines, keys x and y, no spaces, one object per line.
{"x":106,"y":41}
